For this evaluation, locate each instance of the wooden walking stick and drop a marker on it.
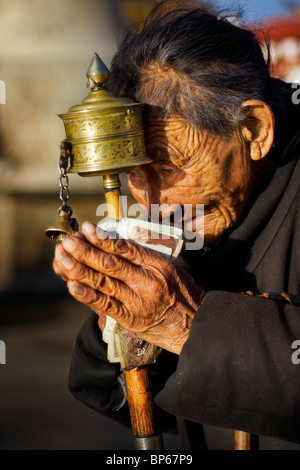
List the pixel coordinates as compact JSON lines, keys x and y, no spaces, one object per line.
{"x":245,"y":441}
{"x":142,"y":409}
{"x":242,"y":440}
{"x":104,"y":137}
{"x":144,"y":421}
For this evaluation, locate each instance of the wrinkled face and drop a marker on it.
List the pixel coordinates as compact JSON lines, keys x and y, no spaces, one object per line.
{"x":193,"y":167}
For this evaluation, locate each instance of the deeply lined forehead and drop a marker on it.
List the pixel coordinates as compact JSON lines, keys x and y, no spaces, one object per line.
{"x":155,"y":117}
{"x":169,"y":137}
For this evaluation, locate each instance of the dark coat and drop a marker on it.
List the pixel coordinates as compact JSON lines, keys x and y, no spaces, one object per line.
{"x":235,"y":370}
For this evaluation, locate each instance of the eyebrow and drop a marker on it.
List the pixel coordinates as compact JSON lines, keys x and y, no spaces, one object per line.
{"x":163,"y":153}
{"x":161,"y":160}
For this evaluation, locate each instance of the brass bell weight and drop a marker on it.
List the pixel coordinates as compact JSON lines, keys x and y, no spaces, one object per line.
{"x":63,"y":226}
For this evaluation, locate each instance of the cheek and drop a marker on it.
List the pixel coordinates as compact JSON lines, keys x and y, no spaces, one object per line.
{"x":189,"y":190}
{"x":138,"y":192}
{"x":184,"y":195}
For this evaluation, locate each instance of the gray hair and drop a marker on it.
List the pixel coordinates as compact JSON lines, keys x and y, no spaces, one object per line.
{"x":196,"y":64}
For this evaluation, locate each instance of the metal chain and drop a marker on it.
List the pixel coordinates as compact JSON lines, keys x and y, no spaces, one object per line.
{"x":64,"y":186}
{"x":65,"y":151}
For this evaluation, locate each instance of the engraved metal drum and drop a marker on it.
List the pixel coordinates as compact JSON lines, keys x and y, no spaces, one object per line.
{"x":106,"y":132}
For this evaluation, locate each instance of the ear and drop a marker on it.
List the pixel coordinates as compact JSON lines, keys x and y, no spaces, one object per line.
{"x":258,"y":128}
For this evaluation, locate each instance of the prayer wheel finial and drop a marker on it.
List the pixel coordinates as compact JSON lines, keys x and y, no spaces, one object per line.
{"x":97,"y":71}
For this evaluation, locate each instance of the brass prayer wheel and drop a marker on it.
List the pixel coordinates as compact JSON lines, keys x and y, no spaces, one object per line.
{"x":106,"y":132}
{"x":107,"y":138}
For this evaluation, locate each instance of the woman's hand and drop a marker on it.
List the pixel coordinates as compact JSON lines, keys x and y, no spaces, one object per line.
{"x":142,"y":290}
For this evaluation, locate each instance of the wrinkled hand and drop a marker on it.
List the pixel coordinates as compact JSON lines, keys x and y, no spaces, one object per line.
{"x":141,"y":289}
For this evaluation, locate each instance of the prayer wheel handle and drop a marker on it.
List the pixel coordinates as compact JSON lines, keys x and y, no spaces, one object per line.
{"x":143,"y":414}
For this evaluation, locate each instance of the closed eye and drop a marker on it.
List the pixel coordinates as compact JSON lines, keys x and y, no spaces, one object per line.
{"x":167,"y":171}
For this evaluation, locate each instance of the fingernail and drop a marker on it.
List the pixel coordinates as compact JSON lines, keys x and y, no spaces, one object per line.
{"x":69,"y":243}
{"x":67,"y":260}
{"x":57,"y":251}
{"x":78,"y":290}
{"x":101,"y":234}
{"x":78,"y":235}
{"x":88,"y":227}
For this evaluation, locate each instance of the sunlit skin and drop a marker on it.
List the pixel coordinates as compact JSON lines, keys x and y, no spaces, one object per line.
{"x":191,"y":167}
{"x":145,"y":292}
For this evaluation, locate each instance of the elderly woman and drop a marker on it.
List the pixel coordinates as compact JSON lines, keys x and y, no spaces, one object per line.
{"x":222,"y":133}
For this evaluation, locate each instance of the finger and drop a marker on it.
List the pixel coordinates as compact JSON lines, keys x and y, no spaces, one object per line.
{"x":57,"y":267}
{"x":101,"y":320}
{"x":62,"y":259}
{"x":99,"y":302}
{"x":100,"y":261}
{"x":58,"y":270}
{"x":74,"y":270}
{"x":127,"y":249}
{"x":79,"y":235}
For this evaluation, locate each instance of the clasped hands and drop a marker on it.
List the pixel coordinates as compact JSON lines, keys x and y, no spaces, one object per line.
{"x":142,"y":290}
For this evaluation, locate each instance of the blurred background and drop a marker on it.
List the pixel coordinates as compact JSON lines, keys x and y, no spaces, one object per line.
{"x":45,"y":49}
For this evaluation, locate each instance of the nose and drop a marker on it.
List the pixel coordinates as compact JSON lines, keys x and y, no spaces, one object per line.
{"x":144,"y":178}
